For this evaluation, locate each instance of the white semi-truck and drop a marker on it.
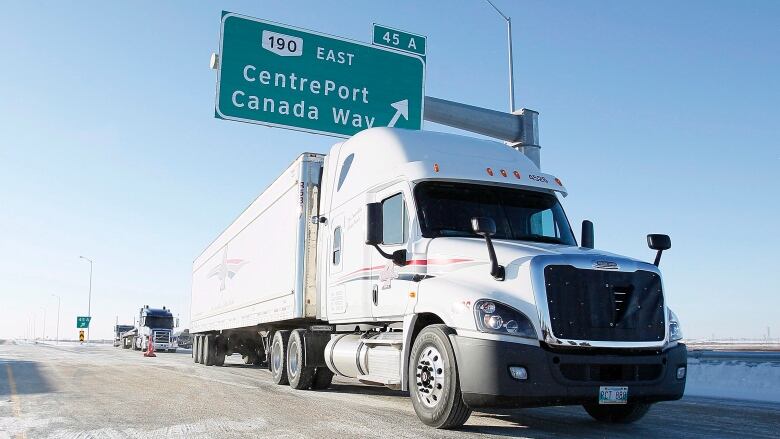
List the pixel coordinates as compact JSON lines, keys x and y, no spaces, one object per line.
{"x":442,"y":265}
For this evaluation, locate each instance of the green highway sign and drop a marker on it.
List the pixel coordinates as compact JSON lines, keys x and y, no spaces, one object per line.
{"x":281,"y":76}
{"x":400,"y":40}
{"x":82,"y":322}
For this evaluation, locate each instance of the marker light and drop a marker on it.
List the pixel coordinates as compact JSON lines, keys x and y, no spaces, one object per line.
{"x":435,"y":167}
{"x":503,"y":173}
{"x":490,"y":172}
{"x":559,"y":182}
{"x":517,"y":174}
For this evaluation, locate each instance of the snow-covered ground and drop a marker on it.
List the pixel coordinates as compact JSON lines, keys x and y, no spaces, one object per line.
{"x":734,"y":379}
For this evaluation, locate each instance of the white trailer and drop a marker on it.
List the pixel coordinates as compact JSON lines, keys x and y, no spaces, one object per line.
{"x":442,"y":265}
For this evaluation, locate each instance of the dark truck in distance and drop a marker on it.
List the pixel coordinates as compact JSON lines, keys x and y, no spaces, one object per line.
{"x":183,"y":339}
{"x":118,"y":331}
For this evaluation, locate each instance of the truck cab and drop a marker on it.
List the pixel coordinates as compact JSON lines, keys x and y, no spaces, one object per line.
{"x":423,"y":230}
{"x":118,"y":331}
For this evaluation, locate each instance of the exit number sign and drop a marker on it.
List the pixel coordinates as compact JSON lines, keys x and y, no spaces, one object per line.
{"x":399,"y":40}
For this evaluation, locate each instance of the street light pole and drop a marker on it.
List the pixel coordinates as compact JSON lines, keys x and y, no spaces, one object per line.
{"x":511,"y":62}
{"x":89,"y":304}
{"x":44,"y":322}
{"x":58,"y":316}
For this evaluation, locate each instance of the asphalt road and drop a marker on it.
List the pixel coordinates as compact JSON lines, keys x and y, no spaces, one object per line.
{"x":72,"y":391}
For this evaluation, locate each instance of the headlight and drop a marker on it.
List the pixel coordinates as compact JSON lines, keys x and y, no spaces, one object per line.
{"x":498,"y":318}
{"x":675,"y":331}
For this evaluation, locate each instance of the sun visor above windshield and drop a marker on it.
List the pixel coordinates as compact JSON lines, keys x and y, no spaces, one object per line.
{"x":516,"y":172}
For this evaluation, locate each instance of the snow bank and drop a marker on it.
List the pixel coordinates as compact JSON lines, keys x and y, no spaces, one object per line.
{"x":736,"y":379}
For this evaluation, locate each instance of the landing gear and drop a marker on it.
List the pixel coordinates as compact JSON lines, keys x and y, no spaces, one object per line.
{"x":433,"y":380}
{"x":617,"y":414}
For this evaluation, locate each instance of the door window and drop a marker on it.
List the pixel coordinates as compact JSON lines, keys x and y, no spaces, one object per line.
{"x":394,"y":220}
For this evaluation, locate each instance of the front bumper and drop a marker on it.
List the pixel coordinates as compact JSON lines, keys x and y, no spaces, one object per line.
{"x":557,"y":378}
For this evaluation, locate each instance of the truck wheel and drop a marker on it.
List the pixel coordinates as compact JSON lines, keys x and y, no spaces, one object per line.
{"x":279,"y":356}
{"x":202,"y":350}
{"x":299,"y":375}
{"x":433,"y":380}
{"x":219,"y":356}
{"x":322,"y":379}
{"x":617,"y":414}
{"x":196,"y":349}
{"x":210,"y":350}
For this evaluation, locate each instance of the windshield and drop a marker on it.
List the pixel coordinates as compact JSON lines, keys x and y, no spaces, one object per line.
{"x":159,"y":322}
{"x":446,"y":209}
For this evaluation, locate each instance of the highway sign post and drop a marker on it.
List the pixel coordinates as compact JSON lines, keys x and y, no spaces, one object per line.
{"x":281,"y":76}
{"x":399,"y":40}
{"x":82,"y":321}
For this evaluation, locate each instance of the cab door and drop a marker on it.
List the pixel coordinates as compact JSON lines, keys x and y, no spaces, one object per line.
{"x":390,"y":290}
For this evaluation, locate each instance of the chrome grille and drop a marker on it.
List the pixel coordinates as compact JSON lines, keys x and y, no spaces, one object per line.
{"x":162,"y":337}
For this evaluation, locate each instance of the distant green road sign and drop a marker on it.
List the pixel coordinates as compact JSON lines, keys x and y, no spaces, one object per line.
{"x":286,"y":77}
{"x":82,"y":322}
{"x":397,"y":39}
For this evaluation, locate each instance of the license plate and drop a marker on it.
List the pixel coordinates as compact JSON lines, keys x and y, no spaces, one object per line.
{"x":613,"y":395}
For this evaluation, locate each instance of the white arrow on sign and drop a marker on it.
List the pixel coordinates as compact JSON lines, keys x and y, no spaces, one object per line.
{"x":401,"y":109}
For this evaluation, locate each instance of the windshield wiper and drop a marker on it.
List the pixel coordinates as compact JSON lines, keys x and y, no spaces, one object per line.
{"x":454,"y":232}
{"x":541,"y":238}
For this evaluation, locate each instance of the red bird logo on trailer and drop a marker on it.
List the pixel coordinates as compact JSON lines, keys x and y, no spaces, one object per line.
{"x":226,"y":270}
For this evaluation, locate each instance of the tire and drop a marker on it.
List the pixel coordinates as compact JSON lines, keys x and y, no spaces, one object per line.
{"x":278,"y":363}
{"x":434,"y":386}
{"x":249,"y":358}
{"x":202,"y":350}
{"x":322,"y":379}
{"x":209,"y":350}
{"x":196,"y":349}
{"x":219,"y":355}
{"x":617,"y":414}
{"x":299,"y":376}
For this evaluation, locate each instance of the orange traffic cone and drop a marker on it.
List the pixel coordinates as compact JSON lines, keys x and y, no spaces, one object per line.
{"x":150,"y":348}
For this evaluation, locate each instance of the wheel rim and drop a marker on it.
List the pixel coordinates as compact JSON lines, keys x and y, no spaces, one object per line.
{"x":430,"y":376}
{"x":276,"y":357}
{"x":292,"y":360}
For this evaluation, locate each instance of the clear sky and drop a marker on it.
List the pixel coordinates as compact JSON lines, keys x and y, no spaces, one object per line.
{"x":659,"y":117}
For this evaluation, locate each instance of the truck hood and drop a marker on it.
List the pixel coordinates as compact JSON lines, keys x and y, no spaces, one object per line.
{"x":461,"y":249}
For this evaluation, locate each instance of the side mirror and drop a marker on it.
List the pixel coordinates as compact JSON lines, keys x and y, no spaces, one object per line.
{"x":374,"y":234}
{"x":374,"y":223}
{"x":587,"y":234}
{"x":659,"y":242}
{"x":483,"y":226}
{"x":486,"y":228}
